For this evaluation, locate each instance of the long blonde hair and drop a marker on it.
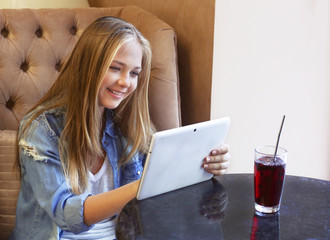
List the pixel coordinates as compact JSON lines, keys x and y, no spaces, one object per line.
{"x":76,"y":89}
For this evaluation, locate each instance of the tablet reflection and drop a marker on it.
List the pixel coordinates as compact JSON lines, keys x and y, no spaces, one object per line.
{"x":193,"y":212}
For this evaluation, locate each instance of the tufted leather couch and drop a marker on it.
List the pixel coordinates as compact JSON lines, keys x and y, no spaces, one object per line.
{"x":33,"y":45}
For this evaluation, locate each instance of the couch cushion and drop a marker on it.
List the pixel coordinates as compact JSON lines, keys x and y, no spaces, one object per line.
{"x":9,"y":182}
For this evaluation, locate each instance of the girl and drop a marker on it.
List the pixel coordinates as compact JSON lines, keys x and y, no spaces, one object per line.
{"x":81,"y":149}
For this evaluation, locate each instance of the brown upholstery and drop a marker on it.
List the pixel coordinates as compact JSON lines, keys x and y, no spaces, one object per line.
{"x":9,"y":182}
{"x":33,"y":45}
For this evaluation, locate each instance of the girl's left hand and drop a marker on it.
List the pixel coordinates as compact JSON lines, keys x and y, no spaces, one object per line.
{"x":218,"y":160}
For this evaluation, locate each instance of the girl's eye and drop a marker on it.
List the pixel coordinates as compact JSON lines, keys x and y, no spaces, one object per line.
{"x":114,"y":68}
{"x":135,"y":74}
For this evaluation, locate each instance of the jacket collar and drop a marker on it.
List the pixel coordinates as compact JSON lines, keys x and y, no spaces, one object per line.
{"x":110,"y":128}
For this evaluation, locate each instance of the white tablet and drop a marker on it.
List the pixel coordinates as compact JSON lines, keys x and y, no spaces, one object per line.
{"x":175,"y":157}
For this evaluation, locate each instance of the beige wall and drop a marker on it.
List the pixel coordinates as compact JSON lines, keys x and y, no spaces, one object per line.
{"x":193,"y":21}
{"x":43,"y":3}
{"x":272,"y":58}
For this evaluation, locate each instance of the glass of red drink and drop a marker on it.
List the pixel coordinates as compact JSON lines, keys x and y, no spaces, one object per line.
{"x":269,"y":174}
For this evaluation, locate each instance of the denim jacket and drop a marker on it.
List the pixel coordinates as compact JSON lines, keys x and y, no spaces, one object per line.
{"x":46,"y":205}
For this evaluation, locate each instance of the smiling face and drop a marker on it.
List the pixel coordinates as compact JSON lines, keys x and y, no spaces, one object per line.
{"x":121,"y":79}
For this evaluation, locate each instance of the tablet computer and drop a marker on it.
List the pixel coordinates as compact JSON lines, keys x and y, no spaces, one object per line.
{"x":175,"y":157}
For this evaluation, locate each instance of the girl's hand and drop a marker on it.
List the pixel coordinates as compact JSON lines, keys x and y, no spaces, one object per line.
{"x":218,"y":160}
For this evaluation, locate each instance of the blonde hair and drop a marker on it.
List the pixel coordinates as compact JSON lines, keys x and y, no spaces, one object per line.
{"x":76,"y":89}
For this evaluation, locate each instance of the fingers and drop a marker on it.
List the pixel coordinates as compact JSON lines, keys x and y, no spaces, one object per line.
{"x":216,"y":168}
{"x":216,"y":165}
{"x":223,"y":149}
{"x":218,"y":160}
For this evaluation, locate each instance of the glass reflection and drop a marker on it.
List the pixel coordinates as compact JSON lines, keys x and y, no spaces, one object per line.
{"x":265,"y":226}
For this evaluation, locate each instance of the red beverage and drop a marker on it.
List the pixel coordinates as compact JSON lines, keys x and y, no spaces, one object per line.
{"x":268,"y":181}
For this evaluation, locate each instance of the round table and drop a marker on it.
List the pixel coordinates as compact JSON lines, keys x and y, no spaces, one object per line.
{"x":223,"y":208}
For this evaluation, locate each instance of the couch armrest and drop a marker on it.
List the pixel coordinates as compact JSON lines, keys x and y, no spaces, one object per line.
{"x":9,"y":182}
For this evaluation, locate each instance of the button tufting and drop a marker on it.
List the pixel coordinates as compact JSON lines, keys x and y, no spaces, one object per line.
{"x":73,"y":30}
{"x":25,"y":66}
{"x":10,"y":104}
{"x":58,"y":66}
{"x":39,"y":32}
{"x":4,"y":32}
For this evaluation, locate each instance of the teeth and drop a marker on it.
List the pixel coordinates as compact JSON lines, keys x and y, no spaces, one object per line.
{"x":117,"y":93}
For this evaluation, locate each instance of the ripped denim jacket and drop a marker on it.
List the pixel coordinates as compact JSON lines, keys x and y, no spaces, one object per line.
{"x":45,"y":205}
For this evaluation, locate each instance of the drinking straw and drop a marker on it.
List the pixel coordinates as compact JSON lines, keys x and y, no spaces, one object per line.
{"x":278,"y":138}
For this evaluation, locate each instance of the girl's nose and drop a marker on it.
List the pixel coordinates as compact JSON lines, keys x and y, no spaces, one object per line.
{"x":124,"y":80}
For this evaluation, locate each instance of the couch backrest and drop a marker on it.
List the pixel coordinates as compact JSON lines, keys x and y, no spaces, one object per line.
{"x":35,"y":42}
{"x":33,"y":45}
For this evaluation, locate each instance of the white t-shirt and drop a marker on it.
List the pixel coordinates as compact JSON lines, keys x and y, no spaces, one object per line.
{"x":101,"y":182}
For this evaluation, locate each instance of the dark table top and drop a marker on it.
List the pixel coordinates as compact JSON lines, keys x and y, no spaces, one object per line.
{"x":223,"y":208}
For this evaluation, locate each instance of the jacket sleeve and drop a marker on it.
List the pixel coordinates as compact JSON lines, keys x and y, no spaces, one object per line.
{"x":42,"y":169}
